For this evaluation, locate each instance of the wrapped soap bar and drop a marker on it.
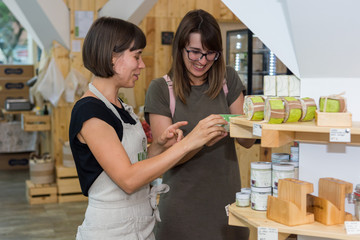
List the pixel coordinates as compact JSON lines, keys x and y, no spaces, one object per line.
{"x":282,"y":85}
{"x":270,"y":85}
{"x":274,"y":111}
{"x":294,"y":86}
{"x":254,"y":107}
{"x":332,"y":103}
{"x":308,"y":106}
{"x":293,"y":110}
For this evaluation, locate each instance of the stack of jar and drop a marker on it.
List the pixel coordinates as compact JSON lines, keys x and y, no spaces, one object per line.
{"x":281,"y":168}
{"x":265,"y":176}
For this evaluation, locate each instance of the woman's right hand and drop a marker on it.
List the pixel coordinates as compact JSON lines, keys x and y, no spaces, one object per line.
{"x":207,"y":132}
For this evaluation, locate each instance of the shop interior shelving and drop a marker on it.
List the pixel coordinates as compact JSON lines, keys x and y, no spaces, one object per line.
{"x":239,"y":216}
{"x":276,"y":135}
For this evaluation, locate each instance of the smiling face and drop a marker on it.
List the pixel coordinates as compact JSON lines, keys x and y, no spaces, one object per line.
{"x":127,"y":67}
{"x":197,"y":69}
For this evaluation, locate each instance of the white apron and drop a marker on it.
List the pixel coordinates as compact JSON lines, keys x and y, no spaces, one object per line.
{"x":111,"y":212}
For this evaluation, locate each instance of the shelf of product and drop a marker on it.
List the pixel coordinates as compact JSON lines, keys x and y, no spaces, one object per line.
{"x":245,"y":216}
{"x":276,"y":135}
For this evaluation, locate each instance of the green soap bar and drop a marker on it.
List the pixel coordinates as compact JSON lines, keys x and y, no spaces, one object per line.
{"x":257,"y":99}
{"x":310,"y":114}
{"x":332,"y":105}
{"x":227,"y":118}
{"x":295,"y":115}
{"x":258,"y":116}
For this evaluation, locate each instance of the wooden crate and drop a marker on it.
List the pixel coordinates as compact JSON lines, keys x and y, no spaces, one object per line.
{"x":326,"y":119}
{"x":40,"y":193}
{"x":31,"y":122}
{"x":68,"y":185}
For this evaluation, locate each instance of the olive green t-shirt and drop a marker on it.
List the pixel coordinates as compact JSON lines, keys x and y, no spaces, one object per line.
{"x":202,"y":187}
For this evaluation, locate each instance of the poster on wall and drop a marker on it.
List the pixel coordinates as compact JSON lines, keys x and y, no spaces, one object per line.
{"x":83,"y":21}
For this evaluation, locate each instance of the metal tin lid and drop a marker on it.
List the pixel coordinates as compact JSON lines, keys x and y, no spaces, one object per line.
{"x":280,"y":157}
{"x":242,"y":195}
{"x":261,"y":165}
{"x":246,"y":190}
{"x":296,"y":164}
{"x":283,"y":167}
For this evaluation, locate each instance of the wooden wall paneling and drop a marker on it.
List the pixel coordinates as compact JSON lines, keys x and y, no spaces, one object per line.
{"x":162,"y":54}
{"x":178,"y":9}
{"x":148,"y":26}
{"x":161,"y":8}
{"x":211,"y":6}
{"x":225,"y":14}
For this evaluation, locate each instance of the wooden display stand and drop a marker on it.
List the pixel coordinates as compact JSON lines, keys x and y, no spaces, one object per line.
{"x":289,"y":208}
{"x":68,"y":185}
{"x":326,"y":119}
{"x":329,"y":206}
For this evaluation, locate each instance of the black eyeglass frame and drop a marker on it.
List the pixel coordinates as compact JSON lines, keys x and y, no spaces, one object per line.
{"x":202,"y":55}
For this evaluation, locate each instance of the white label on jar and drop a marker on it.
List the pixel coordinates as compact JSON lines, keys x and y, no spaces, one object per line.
{"x":260,"y":177}
{"x":259,"y":200}
{"x":280,"y":175}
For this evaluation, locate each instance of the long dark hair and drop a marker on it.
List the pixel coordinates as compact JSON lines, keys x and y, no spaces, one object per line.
{"x":197,"y":21}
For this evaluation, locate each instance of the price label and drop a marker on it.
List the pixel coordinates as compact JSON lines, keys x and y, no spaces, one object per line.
{"x":227,"y":210}
{"x":340,"y":135}
{"x":352,"y":227}
{"x":266,"y":233}
{"x":257,"y":129}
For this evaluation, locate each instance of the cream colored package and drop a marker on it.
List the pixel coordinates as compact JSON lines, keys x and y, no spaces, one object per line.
{"x":282,"y":85}
{"x":294,"y":86}
{"x":269,"y":85}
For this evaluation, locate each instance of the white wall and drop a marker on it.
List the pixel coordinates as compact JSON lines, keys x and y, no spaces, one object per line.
{"x":331,"y":160}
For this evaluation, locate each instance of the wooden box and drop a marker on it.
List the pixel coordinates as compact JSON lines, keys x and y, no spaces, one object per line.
{"x":16,"y":85}
{"x":16,"y":71}
{"x":326,"y":119}
{"x":68,"y":184}
{"x":40,"y":193}
{"x":12,"y":95}
{"x":14,"y":161}
{"x":31,"y":122}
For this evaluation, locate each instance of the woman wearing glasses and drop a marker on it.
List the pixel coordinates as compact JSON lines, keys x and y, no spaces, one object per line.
{"x":205,"y":180}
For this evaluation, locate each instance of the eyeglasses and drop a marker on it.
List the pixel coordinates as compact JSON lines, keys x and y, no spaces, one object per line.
{"x":194,"y":55}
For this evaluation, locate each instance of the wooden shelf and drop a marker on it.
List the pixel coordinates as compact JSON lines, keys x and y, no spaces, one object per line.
{"x":276,"y":135}
{"x":239,"y":216}
{"x":5,"y":112}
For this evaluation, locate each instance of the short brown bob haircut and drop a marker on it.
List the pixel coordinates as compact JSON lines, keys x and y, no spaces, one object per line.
{"x":202,"y":22}
{"x":105,"y":37}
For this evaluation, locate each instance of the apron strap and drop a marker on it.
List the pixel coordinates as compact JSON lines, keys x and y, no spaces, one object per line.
{"x":97,"y":93}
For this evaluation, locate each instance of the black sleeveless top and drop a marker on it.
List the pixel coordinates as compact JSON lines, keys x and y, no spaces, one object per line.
{"x":86,"y":108}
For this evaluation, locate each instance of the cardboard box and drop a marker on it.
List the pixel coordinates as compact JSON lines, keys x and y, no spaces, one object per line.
{"x":16,"y":71}
{"x":14,"y":161}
